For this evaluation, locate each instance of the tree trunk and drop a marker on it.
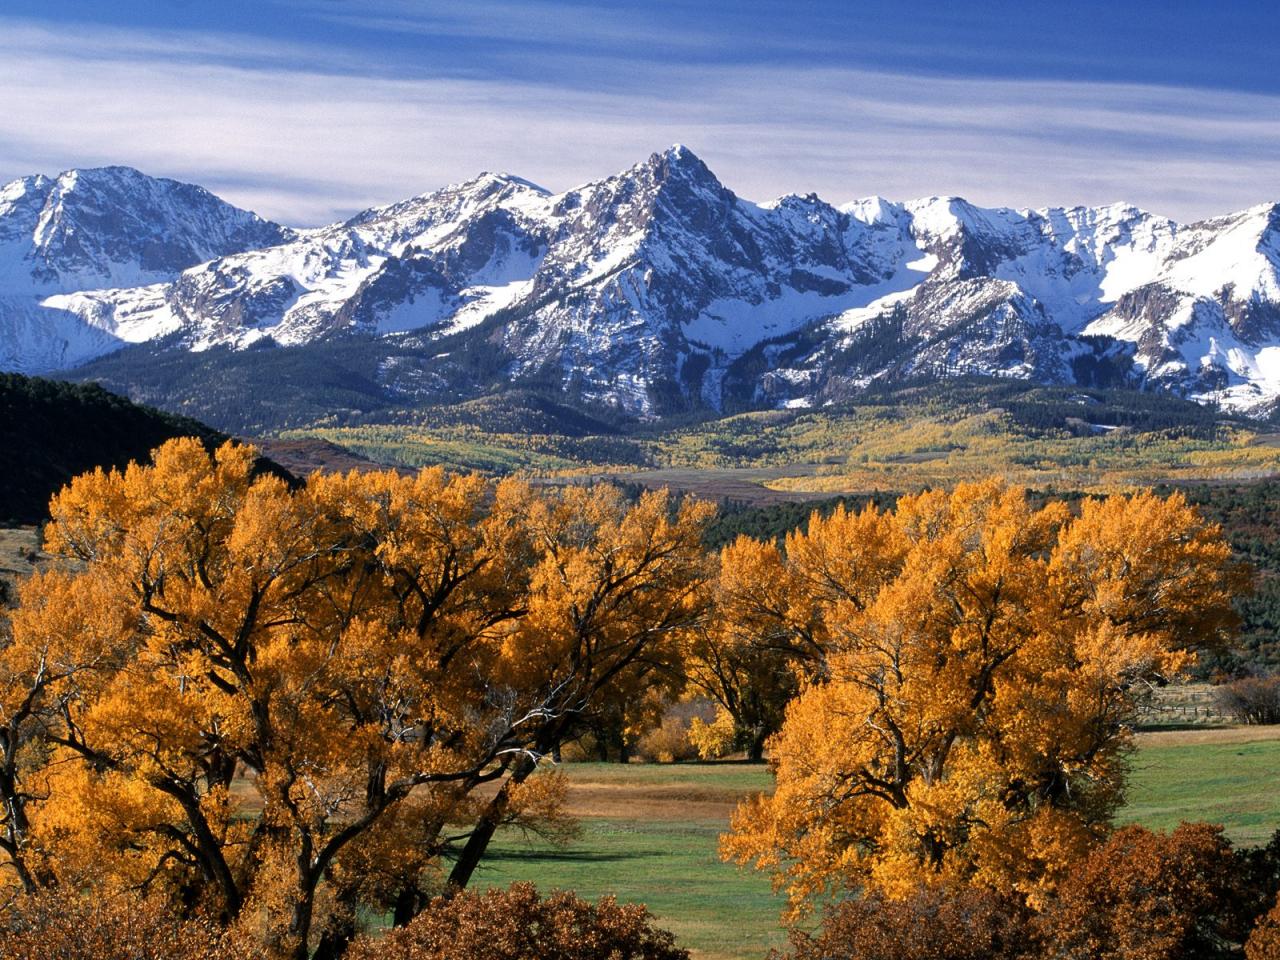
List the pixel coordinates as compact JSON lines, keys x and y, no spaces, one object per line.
{"x":303,"y":907}
{"x":336,"y":939}
{"x":755,"y":749}
{"x":485,"y":828}
{"x":408,"y":904}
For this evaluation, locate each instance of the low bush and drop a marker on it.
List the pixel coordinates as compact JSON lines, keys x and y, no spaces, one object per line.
{"x":1264,"y":942}
{"x":1253,"y":700}
{"x":931,"y":924}
{"x":1150,"y":896}
{"x":1185,"y":895}
{"x":58,"y":925}
{"x":517,"y":924}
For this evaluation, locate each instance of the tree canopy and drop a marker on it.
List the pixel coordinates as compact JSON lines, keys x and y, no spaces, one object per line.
{"x":978,"y":664}
{"x":273,"y":705}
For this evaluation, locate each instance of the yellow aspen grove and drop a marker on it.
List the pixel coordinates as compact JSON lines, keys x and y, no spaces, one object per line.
{"x":274,"y":706}
{"x":982,"y":664}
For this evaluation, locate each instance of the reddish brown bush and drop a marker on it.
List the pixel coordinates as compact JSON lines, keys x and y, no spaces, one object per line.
{"x":965,"y":924}
{"x":1264,"y":942}
{"x":517,"y":924}
{"x":1251,"y":700}
{"x":60,"y":926}
{"x":1149,"y":896}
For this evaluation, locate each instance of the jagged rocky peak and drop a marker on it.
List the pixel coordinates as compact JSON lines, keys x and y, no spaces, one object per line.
{"x":673,"y":181}
{"x":677,"y":164}
{"x":809,"y":216}
{"x":115,"y":225}
{"x":451,"y":204}
{"x":968,"y":240}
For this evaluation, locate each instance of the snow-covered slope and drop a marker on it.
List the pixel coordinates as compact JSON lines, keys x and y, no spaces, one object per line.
{"x":110,"y":227}
{"x":653,"y":290}
{"x":1208,"y":322}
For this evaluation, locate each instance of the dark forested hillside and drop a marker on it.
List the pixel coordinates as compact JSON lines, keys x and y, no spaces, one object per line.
{"x":50,"y":431}
{"x":1250,"y":517}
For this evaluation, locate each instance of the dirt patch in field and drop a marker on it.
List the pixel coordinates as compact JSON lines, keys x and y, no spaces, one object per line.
{"x":746,"y":484}
{"x":605,"y":801}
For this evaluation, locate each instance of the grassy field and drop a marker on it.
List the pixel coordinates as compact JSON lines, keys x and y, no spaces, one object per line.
{"x":1229,"y":776}
{"x":649,"y":832}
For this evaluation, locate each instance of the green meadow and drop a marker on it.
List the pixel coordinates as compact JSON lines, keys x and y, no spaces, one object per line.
{"x":650,"y":831}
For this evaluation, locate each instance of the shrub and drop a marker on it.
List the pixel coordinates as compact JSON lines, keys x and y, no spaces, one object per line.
{"x":56,"y":925}
{"x":1149,"y":896}
{"x":583,"y":750}
{"x":670,"y":741}
{"x":1251,"y":700}
{"x":667,"y":742}
{"x":1264,"y":942}
{"x":715,"y":739}
{"x":517,"y":924}
{"x":931,"y":924}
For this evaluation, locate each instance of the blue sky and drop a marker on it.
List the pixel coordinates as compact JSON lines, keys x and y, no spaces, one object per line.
{"x":310,"y":109}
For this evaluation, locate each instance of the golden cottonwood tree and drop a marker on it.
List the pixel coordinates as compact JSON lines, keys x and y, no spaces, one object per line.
{"x":612,"y":594}
{"x":744,"y":657}
{"x":247,"y":696}
{"x":981,"y":666}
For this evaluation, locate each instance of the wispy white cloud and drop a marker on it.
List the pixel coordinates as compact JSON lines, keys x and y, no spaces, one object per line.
{"x":558,"y":24}
{"x":306,"y":134}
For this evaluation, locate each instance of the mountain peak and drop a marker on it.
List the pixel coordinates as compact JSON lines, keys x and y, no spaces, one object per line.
{"x":120,"y":178}
{"x":110,"y":172}
{"x":677,"y":162}
{"x":117,"y":226}
{"x":489,"y":179}
{"x":425,"y":211}
{"x":16,"y":189}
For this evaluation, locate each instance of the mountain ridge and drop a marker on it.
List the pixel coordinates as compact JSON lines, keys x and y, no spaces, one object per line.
{"x":658,"y":290}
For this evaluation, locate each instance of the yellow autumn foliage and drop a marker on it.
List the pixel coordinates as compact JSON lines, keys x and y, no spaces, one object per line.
{"x":275,"y":706}
{"x":981,"y":665}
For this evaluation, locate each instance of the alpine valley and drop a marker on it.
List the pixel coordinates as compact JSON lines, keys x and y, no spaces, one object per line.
{"x":653,"y":293}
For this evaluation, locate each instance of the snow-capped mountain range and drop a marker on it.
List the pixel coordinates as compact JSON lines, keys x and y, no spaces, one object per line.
{"x":654,"y":290}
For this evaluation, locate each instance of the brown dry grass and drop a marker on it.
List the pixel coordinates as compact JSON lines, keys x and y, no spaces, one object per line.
{"x":617,"y":801}
{"x":1203,"y":736}
{"x":588,"y":799}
